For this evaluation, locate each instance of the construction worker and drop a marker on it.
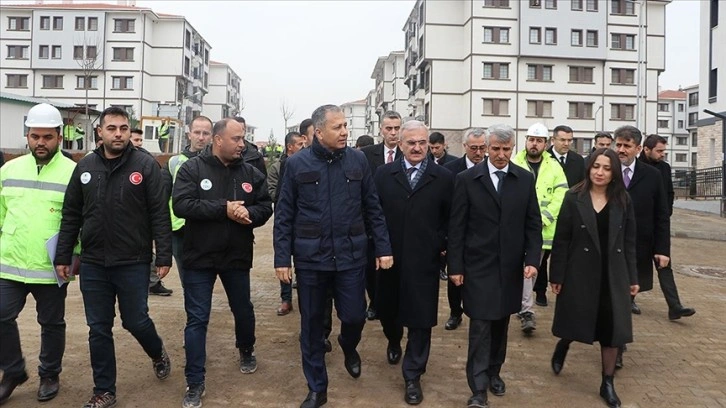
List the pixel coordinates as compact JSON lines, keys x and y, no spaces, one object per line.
{"x":31,"y":196}
{"x":69,"y":135}
{"x":163,"y":135}
{"x":80,"y":134}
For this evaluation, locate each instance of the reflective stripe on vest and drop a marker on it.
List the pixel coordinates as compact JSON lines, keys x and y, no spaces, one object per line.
{"x":35,"y":185}
{"x":174,"y":165}
{"x":25,"y":274}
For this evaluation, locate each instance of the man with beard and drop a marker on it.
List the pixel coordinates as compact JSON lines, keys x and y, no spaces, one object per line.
{"x":551,"y":186}
{"x":116,"y":198}
{"x":31,"y":192}
{"x":307,"y":130}
{"x":250,"y":153}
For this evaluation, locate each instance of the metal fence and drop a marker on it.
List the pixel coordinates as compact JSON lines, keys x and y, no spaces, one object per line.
{"x":701,"y":183}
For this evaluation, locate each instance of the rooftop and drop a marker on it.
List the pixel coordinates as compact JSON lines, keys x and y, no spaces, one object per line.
{"x":669,"y":94}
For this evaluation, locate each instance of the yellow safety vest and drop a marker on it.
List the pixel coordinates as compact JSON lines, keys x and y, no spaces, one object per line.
{"x":174,"y":164}
{"x":79,"y":133}
{"x":69,"y":133}
{"x":30,"y":214}
{"x":163,"y":131}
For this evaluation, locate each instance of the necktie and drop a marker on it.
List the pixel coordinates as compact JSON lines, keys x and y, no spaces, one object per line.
{"x":626,"y":177}
{"x":390,"y":156}
{"x":501,"y":175}
{"x":562,"y":161}
{"x":410,"y":171}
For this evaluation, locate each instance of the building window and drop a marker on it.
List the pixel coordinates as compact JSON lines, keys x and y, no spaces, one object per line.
{"x":622,"y":7}
{"x":53,"y":81}
{"x":694,"y":139}
{"x":551,"y":4}
{"x":714,"y":13}
{"x":592,"y":5}
{"x":495,"y":107}
{"x":496,"y":35}
{"x":57,"y":23}
{"x":576,"y":38}
{"x":188,"y":39}
{"x":18,"y":23}
{"x":43,"y":51}
{"x":680,"y":124}
{"x":712,"y":85}
{"x":56,"y":52}
{"x":122,"y":82}
{"x":550,"y":36}
{"x":592,"y":38}
{"x":123,"y":54}
{"x":694,"y":159}
{"x":496,"y":3}
{"x":580,"y":110}
{"x":663,"y":107}
{"x":539,"y":109}
{"x":539,"y":72}
{"x":663,"y":124}
{"x":693,"y":99}
{"x":77,"y":52}
{"x":622,"y":76}
{"x":576,"y":5}
{"x":622,"y":41}
{"x":91,"y":52}
{"x":680,"y":107}
{"x":682,"y":141}
{"x":535,"y":3}
{"x":16,"y":81}
{"x":581,"y":74}
{"x":92,"y":23}
{"x":206,"y":80}
{"x":44,"y":22}
{"x":17,"y":52}
{"x":82,"y":80}
{"x":186,"y":66}
{"x":124,"y":25}
{"x":692,"y":119}
{"x":494,"y":70}
{"x":206,"y":56}
{"x":622,"y":111}
{"x":681,"y":157}
{"x":80,"y":24}
{"x":535,"y":35}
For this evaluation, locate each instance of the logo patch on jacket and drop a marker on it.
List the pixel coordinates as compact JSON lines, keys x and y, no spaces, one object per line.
{"x":205,"y":184}
{"x":136,"y":178}
{"x":85,"y":177}
{"x":247,"y":187}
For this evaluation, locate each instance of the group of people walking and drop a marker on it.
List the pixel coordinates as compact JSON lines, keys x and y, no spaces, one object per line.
{"x":390,"y":219}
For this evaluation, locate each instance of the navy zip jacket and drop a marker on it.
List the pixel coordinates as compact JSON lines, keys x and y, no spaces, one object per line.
{"x":326,"y":201}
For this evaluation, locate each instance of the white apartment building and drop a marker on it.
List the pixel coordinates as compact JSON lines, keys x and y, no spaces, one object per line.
{"x":577,"y":62}
{"x":223,"y":98}
{"x":372,"y":126}
{"x":672,"y":124}
{"x":692,"y":121}
{"x":391,"y":89}
{"x":355,"y":114}
{"x":712,"y":78}
{"x":152,"y":64}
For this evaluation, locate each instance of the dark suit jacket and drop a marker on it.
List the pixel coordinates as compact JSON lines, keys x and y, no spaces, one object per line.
{"x":652,"y":218}
{"x":417,"y":223}
{"x":374,"y":154}
{"x":667,"y":176}
{"x":457,"y":166}
{"x":574,"y":167}
{"x":491,"y":238}
{"x":448,"y":158}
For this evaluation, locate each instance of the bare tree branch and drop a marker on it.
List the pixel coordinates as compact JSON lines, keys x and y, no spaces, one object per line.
{"x":90,"y":61}
{"x":287,"y":112}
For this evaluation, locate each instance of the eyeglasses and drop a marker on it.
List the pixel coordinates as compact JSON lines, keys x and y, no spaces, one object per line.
{"x":479,"y":148}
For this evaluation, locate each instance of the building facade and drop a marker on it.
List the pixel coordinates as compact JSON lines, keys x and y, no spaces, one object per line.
{"x":590,"y":64}
{"x":372,"y":122}
{"x":391,"y":91}
{"x":223,"y":99}
{"x":673,"y":125}
{"x":355,"y":114}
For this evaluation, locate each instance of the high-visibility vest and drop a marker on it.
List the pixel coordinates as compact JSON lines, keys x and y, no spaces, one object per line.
{"x":69,"y":133}
{"x":163,"y":131}
{"x":80,"y":133}
{"x":174,"y":164}
{"x":30,"y":214}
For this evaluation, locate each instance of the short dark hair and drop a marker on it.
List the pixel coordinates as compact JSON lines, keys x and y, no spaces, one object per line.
{"x":390,"y":115}
{"x":652,"y":141}
{"x":239,"y":119}
{"x":289,"y":138}
{"x":628,"y":133}
{"x":363,"y":141}
{"x":137,"y":131}
{"x":200,"y":117}
{"x":221,"y":125}
{"x":437,"y":137}
{"x":600,"y":134}
{"x":561,"y":128}
{"x":304,"y":125}
{"x":113,"y":111}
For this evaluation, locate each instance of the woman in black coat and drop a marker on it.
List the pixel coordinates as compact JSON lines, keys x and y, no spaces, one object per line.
{"x":593,"y":269}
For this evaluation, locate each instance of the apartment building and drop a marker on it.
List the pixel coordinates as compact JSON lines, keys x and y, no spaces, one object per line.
{"x":692,"y":121}
{"x":391,"y":89}
{"x":672,"y":124}
{"x":590,"y":64}
{"x":355,"y":114}
{"x":149,"y":63}
{"x":223,"y":99}
{"x":372,"y":120}
{"x":712,"y":78}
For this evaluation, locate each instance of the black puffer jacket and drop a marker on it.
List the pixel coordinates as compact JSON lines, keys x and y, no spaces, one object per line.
{"x":251,"y":155}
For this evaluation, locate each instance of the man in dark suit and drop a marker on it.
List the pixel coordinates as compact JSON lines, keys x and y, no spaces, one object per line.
{"x":572,"y":163}
{"x":437,"y":147}
{"x":495,"y":229}
{"x":415,"y":195}
{"x":379,"y":154}
{"x":475,"y":148}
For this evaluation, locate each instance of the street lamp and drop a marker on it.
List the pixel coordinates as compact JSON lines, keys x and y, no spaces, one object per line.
{"x":723,"y":158}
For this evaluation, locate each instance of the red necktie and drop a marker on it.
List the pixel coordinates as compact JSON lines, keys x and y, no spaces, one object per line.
{"x":390,"y":157}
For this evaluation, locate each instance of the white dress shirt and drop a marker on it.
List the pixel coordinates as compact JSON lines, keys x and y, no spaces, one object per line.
{"x":493,"y":176}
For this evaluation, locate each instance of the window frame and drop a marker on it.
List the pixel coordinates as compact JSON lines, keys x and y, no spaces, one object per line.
{"x":19,"y":77}
{"x":56,"y":86}
{"x":496,"y":106}
{"x":539,"y":108}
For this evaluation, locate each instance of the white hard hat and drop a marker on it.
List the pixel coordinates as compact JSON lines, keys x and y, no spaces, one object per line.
{"x":44,"y":116}
{"x":537,"y":130}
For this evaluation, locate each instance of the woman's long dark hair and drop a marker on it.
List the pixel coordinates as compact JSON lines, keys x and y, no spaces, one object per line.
{"x":616,"y":192}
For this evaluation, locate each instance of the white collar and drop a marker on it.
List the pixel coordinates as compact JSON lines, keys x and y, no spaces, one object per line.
{"x":631,"y":167}
{"x":409,"y":165}
{"x":558,"y":156}
{"x":493,"y":169}
{"x":469,"y":163}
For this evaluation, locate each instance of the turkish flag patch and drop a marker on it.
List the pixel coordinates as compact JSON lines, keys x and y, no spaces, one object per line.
{"x":136,"y":178}
{"x":247,"y":187}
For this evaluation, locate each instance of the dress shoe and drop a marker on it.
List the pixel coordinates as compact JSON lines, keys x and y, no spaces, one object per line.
{"x":496,"y":385}
{"x":352,"y":361}
{"x":478,"y":401}
{"x":284,"y":309}
{"x":414,"y":394}
{"x":619,"y":358}
{"x":8,"y":385}
{"x":48,"y":388}
{"x":558,"y":357}
{"x":443,"y":275}
{"x":541,"y":299}
{"x":371,"y":313}
{"x":315,"y":400}
{"x":529,"y":324}
{"x":328,"y":346}
{"x":607,"y":392}
{"x":634,"y":307}
{"x":680,"y":311}
{"x":453,"y":322}
{"x":393,"y":353}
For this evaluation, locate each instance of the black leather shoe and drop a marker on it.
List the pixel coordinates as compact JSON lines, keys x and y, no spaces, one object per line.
{"x":541,"y":299}
{"x":680,"y":311}
{"x":48,"y":388}
{"x":558,"y":357}
{"x":8,"y":385}
{"x":393,"y":354}
{"x":634,"y":307}
{"x":315,"y":400}
{"x":496,"y":385}
{"x":414,"y":394}
{"x":371,"y":313}
{"x":453,"y":322}
{"x":607,"y":392}
{"x":352,"y":362}
{"x":478,"y":401}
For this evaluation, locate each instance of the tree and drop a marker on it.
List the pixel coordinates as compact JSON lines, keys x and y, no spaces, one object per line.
{"x":90,"y":61}
{"x":287,"y":112}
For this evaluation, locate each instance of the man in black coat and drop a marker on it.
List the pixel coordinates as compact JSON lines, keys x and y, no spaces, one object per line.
{"x":437,"y":145}
{"x":572,"y":163}
{"x":250,"y":153}
{"x":475,"y":148}
{"x":651,"y":215}
{"x":495,"y":238}
{"x":415,"y":195}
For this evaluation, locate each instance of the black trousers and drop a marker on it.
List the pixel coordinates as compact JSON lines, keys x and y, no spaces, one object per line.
{"x":392,"y":329}
{"x":453,"y":293}
{"x":487,"y":352}
{"x":418,"y":348}
{"x":668,"y":286}
{"x":371,"y":273}
{"x":540,"y":285}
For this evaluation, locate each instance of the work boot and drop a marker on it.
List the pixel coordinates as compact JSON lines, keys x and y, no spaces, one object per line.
{"x":528,"y":323}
